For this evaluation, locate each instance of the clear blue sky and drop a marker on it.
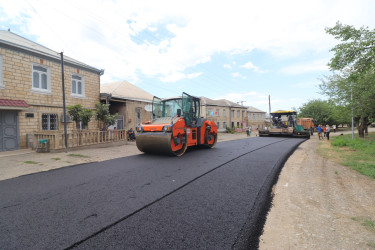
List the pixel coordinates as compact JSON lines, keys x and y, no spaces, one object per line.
{"x":237,"y":50}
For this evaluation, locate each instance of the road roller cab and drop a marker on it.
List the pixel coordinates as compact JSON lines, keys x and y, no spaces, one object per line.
{"x":175,"y":126}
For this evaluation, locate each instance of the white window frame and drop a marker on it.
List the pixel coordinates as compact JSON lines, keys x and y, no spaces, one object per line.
{"x":1,"y":73}
{"x":49,"y":122}
{"x":48,"y":79}
{"x":76,"y":86}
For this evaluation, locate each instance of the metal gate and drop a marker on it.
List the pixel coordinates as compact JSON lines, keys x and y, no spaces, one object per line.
{"x":9,"y":133}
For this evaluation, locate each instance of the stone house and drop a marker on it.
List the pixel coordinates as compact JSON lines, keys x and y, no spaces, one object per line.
{"x":132,"y":104}
{"x":256,"y":118}
{"x":31,"y":99}
{"x":224,"y":113}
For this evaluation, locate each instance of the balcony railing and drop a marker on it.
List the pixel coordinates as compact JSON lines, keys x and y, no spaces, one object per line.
{"x":82,"y":138}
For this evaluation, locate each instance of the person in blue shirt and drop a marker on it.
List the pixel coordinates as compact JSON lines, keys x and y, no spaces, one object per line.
{"x":320,"y":130}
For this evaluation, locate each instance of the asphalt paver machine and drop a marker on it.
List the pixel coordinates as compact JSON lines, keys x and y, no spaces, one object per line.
{"x":284,"y":123}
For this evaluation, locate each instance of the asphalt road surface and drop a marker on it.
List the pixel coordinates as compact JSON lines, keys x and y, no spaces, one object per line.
{"x":206,"y":199}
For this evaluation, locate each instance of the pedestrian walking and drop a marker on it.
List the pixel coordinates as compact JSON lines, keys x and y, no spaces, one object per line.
{"x":324,"y":131}
{"x":250,"y":131}
{"x":327,"y":131}
{"x":334,"y":128}
{"x":319,"y":128}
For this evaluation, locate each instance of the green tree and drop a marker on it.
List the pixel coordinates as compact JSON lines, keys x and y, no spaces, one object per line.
{"x":353,"y":83}
{"x":103,"y":116}
{"x":80,"y":115}
{"x":321,"y":111}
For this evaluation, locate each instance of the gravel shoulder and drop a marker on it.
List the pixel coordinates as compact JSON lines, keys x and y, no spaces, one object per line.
{"x":319,"y":204}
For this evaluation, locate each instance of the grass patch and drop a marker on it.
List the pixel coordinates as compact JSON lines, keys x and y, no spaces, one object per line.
{"x":56,"y":159}
{"x":78,"y":155}
{"x":366,"y":222}
{"x":371,"y":244}
{"x":369,"y":224}
{"x":357,"y":153}
{"x":31,"y":162}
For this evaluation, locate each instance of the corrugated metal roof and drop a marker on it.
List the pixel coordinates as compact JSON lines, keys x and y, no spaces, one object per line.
{"x":125,"y":90}
{"x":16,"y":41}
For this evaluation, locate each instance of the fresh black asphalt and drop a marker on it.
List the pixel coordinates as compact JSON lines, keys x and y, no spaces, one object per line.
{"x":206,"y":199}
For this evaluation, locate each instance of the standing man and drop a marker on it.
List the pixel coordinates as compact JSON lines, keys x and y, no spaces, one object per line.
{"x":327,"y":131}
{"x":334,"y":128}
{"x":319,"y":128}
{"x":250,"y":130}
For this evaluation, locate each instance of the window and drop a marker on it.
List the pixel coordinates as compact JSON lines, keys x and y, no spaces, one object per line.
{"x":138,"y":116}
{"x":238,"y":114}
{"x":217,"y":112}
{"x":80,"y":125}
{"x":210,"y":112}
{"x":218,"y":125}
{"x":41,"y":79}
{"x":224,"y":125}
{"x":49,"y":121}
{"x":238,"y":124}
{"x":224,"y":113}
{"x":243,"y":114}
{"x":232,"y":113}
{"x":78,"y":86}
{"x":1,"y":72}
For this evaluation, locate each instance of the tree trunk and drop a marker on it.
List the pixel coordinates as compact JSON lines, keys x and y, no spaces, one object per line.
{"x":361,"y":127}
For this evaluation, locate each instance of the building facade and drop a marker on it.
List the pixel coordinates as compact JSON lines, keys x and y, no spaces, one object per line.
{"x":132,"y":104}
{"x":224,"y":113}
{"x":31,"y":99}
{"x":256,"y":118}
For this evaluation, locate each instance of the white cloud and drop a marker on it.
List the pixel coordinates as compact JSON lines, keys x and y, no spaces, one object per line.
{"x":302,"y":68}
{"x":123,"y":36}
{"x":238,"y":75}
{"x":228,"y":66}
{"x":250,"y":65}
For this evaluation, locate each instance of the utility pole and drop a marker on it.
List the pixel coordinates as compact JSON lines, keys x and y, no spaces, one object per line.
{"x":351,"y":99}
{"x":269,"y":106}
{"x":63,"y":92}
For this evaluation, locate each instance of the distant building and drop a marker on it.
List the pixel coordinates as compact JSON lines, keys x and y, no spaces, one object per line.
{"x":224,"y":113}
{"x":31,"y":90}
{"x":132,"y":104}
{"x":256,"y":118}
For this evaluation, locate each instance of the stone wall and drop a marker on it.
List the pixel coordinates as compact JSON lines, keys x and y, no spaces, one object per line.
{"x":17,"y":81}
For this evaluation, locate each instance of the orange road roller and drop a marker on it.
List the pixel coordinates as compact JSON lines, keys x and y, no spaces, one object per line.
{"x":175,"y":126}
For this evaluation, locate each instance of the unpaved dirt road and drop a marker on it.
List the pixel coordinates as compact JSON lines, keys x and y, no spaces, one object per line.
{"x":319,"y":204}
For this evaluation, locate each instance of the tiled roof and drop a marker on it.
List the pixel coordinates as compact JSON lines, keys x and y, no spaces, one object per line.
{"x":13,"y":103}
{"x":125,"y":90}
{"x":16,"y":41}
